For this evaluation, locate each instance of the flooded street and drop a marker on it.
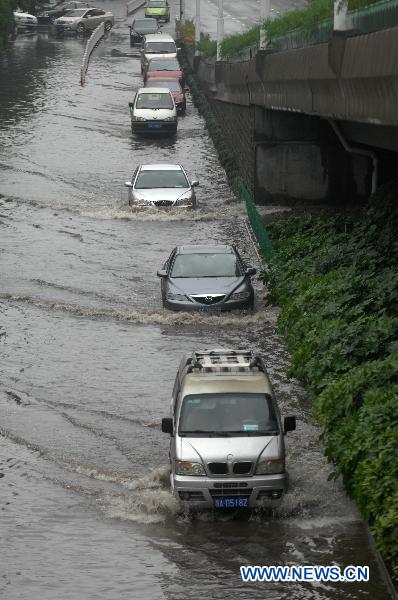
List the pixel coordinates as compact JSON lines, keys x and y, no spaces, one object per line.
{"x":89,"y":357}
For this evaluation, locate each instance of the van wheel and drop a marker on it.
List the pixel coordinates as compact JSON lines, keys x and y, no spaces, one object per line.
{"x":108,"y":26}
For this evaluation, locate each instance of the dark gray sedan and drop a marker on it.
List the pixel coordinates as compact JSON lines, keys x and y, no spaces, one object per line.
{"x":208,"y":279}
{"x":142,"y":27}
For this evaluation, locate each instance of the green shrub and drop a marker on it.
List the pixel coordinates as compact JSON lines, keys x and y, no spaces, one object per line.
{"x":337,"y":282}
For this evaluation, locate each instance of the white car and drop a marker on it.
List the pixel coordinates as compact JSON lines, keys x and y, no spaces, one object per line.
{"x":25,"y":20}
{"x":84,"y":19}
{"x":153,"y":111}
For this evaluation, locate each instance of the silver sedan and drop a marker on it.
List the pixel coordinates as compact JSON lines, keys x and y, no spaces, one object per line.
{"x":84,"y":19}
{"x":160,"y":185}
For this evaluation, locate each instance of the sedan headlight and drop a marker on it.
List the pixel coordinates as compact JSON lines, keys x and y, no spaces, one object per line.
{"x":141,"y":201}
{"x":176,"y":297}
{"x":185,"y":199}
{"x":240,"y":296}
{"x":184,"y":467}
{"x":267,"y":466}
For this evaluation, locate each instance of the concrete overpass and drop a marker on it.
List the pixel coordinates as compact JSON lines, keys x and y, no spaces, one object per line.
{"x":322,"y":120}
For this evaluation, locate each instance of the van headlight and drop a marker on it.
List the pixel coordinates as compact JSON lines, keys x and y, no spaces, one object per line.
{"x":135,"y":118}
{"x":267,"y":466}
{"x":173,"y":118}
{"x":184,"y":467}
{"x":240,"y":296}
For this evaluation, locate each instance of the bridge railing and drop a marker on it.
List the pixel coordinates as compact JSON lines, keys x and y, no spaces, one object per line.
{"x":92,"y":43}
{"x":257,"y":224}
{"x":375,"y":17}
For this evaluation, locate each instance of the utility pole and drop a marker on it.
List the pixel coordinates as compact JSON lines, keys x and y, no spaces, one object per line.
{"x":182,"y":11}
{"x":197,"y":27}
{"x":340,"y":15}
{"x":220,"y":28}
{"x":265,"y":11}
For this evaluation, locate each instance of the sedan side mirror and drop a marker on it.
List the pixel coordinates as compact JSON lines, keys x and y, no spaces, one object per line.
{"x":162,"y":273}
{"x":289,"y":424}
{"x":128,"y":184}
{"x":167,"y":426}
{"x":194,"y":183}
{"x":250,"y":271}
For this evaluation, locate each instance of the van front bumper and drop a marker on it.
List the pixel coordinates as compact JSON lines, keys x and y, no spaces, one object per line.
{"x":154,"y":127}
{"x":200,"y":492}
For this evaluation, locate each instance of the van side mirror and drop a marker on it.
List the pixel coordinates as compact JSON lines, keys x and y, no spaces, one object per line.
{"x":131,"y":105}
{"x":250,"y":271}
{"x":289,"y":424}
{"x":162,"y":273}
{"x":167,"y":425}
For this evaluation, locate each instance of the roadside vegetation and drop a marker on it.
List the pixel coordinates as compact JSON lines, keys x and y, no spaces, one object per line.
{"x":304,"y":19}
{"x":336,"y":280}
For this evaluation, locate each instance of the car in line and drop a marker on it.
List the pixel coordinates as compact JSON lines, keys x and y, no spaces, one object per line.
{"x":81,"y":20}
{"x":53,"y":12}
{"x":25,"y":21}
{"x":175,"y":87}
{"x":227,"y":447}
{"x":153,"y":111}
{"x":139,"y":28}
{"x":206,"y":278}
{"x":164,"y":67}
{"x":158,"y":9}
{"x":157,"y":46}
{"x":161,"y":186}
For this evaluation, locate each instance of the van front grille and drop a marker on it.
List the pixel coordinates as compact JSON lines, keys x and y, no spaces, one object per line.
{"x":231,"y":492}
{"x":218,"y":468}
{"x":242,"y":468}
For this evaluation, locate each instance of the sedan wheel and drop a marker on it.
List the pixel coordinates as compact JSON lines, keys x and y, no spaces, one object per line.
{"x":80,"y":28}
{"x":108,"y":25}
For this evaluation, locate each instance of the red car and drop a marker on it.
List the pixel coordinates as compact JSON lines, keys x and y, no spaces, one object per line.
{"x":175,"y":87}
{"x":164,"y":67}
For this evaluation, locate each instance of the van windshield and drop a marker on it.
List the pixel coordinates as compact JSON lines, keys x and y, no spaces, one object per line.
{"x":160,"y":47}
{"x":154,"y":101}
{"x":232,"y":414}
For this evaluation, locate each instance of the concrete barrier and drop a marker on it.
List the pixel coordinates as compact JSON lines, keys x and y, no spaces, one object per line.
{"x":134,"y":5}
{"x":92,"y":43}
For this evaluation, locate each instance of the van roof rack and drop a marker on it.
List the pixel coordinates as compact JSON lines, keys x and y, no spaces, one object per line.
{"x":220,"y":360}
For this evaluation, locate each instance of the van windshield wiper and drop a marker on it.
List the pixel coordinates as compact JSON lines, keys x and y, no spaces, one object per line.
{"x":201,"y":431}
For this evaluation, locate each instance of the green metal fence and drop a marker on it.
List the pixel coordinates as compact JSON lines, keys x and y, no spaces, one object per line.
{"x":375,"y":17}
{"x":257,"y":225}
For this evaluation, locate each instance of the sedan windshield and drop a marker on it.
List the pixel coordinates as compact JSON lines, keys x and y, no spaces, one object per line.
{"x":154,"y":101}
{"x":171,"y":84}
{"x":76,"y":13}
{"x":160,"y":47}
{"x":148,"y":180}
{"x":159,"y":64}
{"x":206,"y":265}
{"x":228,"y":414}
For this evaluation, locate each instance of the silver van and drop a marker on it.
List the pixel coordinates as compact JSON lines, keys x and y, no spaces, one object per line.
{"x":157,"y":46}
{"x":153,"y":111}
{"x":227,"y":438}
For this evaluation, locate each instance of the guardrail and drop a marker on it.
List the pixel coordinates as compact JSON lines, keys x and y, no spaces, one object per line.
{"x":134,"y":5}
{"x":257,"y":225}
{"x":92,"y":43}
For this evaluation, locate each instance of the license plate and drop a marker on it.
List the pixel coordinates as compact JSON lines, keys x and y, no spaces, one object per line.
{"x":209,"y":310}
{"x":231,"y":502}
{"x":154,"y":125}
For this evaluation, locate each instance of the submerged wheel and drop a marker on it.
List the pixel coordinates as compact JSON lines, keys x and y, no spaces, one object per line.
{"x":80,"y":28}
{"x":108,"y":25}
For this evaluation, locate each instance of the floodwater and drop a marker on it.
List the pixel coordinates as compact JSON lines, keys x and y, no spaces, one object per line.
{"x":89,"y":358}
